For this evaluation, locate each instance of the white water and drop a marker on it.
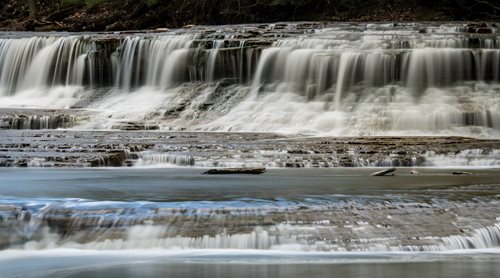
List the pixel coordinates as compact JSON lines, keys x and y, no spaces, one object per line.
{"x":370,"y":80}
{"x":377,"y":225}
{"x":280,"y":237}
{"x":471,"y":158}
{"x":164,"y":159}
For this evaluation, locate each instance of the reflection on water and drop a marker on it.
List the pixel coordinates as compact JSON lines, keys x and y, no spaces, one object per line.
{"x":169,"y":185}
{"x":236,"y":264}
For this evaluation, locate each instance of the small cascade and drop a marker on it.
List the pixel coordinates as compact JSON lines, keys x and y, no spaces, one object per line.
{"x":40,"y":162}
{"x":149,"y":158}
{"x":488,"y":237}
{"x":471,"y":157}
{"x":39,"y":121}
{"x":315,"y":224}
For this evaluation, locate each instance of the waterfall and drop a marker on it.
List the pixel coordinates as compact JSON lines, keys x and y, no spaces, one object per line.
{"x":363,"y":80}
{"x":37,"y":62}
{"x":158,"y":62}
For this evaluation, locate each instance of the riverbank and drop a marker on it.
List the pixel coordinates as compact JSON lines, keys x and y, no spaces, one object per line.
{"x":99,"y":15}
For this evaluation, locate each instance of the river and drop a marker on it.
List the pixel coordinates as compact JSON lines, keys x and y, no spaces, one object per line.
{"x":179,"y":222}
{"x":104,"y":138}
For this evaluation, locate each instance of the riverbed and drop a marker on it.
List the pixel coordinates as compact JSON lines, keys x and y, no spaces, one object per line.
{"x":286,"y":222}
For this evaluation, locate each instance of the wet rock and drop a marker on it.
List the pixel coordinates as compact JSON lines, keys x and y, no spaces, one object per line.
{"x":135,"y":126}
{"x":294,"y":165}
{"x":484,"y":31}
{"x":414,"y":172}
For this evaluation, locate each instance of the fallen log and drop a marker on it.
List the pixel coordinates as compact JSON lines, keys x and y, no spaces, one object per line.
{"x":384,"y":172}
{"x":460,"y":173}
{"x":226,"y":171}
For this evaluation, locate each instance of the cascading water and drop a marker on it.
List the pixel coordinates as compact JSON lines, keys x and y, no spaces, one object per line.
{"x":165,"y":159}
{"x":328,"y":223}
{"x":364,"y":79}
{"x":282,"y":83}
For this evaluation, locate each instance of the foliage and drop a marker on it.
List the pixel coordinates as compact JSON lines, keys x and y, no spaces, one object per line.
{"x":69,"y":3}
{"x":151,"y":2}
{"x":94,"y":3}
{"x":143,"y":14}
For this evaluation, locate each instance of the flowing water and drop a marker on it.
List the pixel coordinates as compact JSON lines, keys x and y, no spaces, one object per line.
{"x":177,"y":222}
{"x":340,"y":79}
{"x":182,"y":96}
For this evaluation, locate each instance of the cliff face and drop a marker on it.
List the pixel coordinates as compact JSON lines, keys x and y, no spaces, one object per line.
{"x":112,"y":15}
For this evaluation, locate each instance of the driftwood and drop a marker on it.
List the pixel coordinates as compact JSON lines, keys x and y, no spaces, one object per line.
{"x":383,"y":173}
{"x":460,"y":173}
{"x":226,"y":171}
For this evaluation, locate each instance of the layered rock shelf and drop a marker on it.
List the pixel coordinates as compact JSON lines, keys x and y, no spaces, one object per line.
{"x":72,"y":148}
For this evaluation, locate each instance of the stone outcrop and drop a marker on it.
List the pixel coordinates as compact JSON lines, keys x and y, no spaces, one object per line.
{"x":74,"y":148}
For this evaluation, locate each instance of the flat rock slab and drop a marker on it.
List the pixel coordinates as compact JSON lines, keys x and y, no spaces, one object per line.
{"x":84,"y":148}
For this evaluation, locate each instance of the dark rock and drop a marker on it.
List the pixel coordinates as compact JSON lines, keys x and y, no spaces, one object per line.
{"x":116,"y":158}
{"x":484,"y":31}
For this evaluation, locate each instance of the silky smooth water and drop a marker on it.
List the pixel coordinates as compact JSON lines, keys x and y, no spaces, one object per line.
{"x":67,"y":263}
{"x":299,"y":78}
{"x":185,"y":184}
{"x":339,"y":78}
{"x":159,"y":211}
